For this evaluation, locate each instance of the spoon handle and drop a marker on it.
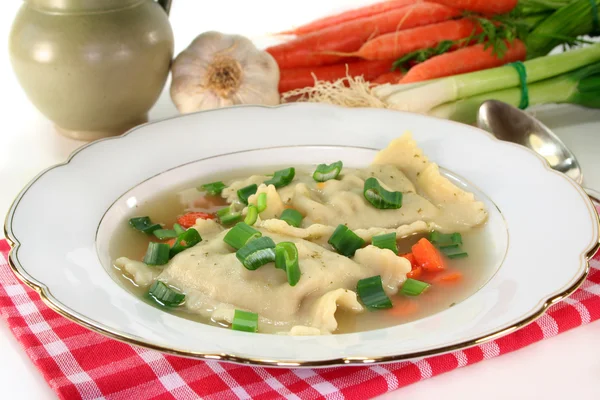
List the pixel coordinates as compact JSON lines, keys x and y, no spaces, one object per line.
{"x":593,"y":194}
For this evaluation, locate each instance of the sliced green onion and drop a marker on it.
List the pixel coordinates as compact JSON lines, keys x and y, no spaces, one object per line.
{"x":413,"y":287}
{"x":386,"y":241}
{"x":245,"y":321}
{"x":257,"y":253}
{"x":326,"y":172}
{"x":214,"y":188}
{"x":282,"y":177}
{"x":345,"y":242}
{"x":226,"y":216}
{"x":261,"y":202}
{"x":379,"y":197}
{"x":240,"y":235}
{"x":442,"y":240}
{"x":157,"y":254}
{"x":178,"y":229}
{"x":187,"y":239}
{"x":246,"y":192}
{"x":163,"y":234}
{"x":286,"y":258}
{"x":143,"y":224}
{"x":454,"y":252}
{"x":292,"y":217}
{"x":251,"y":215}
{"x":165,"y":295}
{"x":371,"y":293}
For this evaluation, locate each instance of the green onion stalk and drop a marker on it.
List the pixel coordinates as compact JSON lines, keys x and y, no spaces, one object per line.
{"x":581,"y":86}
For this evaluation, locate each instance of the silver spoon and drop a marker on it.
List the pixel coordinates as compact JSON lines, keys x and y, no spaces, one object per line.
{"x":514,"y":125}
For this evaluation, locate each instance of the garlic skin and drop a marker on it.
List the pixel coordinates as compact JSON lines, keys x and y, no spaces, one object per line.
{"x":219,"y":70}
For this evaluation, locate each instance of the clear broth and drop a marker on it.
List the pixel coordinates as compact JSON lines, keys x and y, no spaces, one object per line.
{"x":165,"y":207}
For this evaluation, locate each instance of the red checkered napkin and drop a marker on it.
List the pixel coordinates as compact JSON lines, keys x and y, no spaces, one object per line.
{"x":80,"y":364}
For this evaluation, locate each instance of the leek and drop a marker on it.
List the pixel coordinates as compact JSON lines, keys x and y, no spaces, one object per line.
{"x":424,"y":98}
{"x":581,"y":86}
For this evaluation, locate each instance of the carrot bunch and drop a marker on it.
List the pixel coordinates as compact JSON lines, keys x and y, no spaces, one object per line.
{"x":369,"y":41}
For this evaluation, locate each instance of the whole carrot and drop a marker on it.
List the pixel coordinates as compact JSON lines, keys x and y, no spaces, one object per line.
{"x":349,"y":15}
{"x":397,"y":44}
{"x":388,"y":77}
{"x":307,"y":51}
{"x":481,"y":6}
{"x":467,"y":59}
{"x":296,"y":78}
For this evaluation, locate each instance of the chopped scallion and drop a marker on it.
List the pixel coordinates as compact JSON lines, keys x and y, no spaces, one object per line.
{"x":454,"y":252}
{"x":345,"y":242}
{"x":251,"y":215}
{"x":144,"y":224}
{"x":165,"y":295}
{"x":178,"y":229}
{"x":371,"y":293}
{"x":226,"y":216}
{"x":214,"y":188}
{"x":444,"y":240}
{"x":240,"y":235}
{"x":282,"y":177}
{"x":246,"y":192}
{"x":286,"y":258}
{"x":257,"y":253}
{"x":379,"y":197}
{"x":413,"y":287}
{"x":386,"y":241}
{"x":245,"y":321}
{"x":157,"y":254}
{"x":163,"y":234}
{"x":187,"y":239}
{"x":326,"y":172}
{"x":292,"y":217}
{"x":261,"y":202}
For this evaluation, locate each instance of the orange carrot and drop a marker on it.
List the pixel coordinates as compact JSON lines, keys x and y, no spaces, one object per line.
{"x":188,"y":220}
{"x":295,"y":78}
{"x":468,"y":59}
{"x":450,"y":277}
{"x":395,"y":45}
{"x":308,"y":50}
{"x":349,"y":15}
{"x":410,"y":257}
{"x":404,"y":308}
{"x":427,"y":256}
{"x":388,"y":77}
{"x":481,"y":6}
{"x":171,"y":242}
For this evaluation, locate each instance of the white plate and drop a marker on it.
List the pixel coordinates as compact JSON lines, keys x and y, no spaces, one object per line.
{"x":60,"y":244}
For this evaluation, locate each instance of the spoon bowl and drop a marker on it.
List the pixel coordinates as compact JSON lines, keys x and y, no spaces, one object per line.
{"x":514,"y":125}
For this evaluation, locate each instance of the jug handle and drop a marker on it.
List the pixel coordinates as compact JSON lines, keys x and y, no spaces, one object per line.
{"x":165,"y":4}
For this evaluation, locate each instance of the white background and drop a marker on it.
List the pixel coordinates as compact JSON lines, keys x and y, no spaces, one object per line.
{"x":567,"y":365}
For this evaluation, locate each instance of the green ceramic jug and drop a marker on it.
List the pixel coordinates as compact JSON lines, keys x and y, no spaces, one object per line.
{"x":93,"y":67}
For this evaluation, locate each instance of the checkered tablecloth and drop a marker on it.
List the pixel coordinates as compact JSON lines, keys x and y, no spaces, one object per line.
{"x":80,"y":364}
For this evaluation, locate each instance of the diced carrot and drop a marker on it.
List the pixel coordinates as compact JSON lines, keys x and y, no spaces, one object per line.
{"x":171,"y":242}
{"x":450,"y":277}
{"x":467,"y":59}
{"x":188,"y":220}
{"x":310,"y":50}
{"x":296,"y":78}
{"x":403,"y":308}
{"x":321,"y":185}
{"x":349,"y":15}
{"x":410,"y":257}
{"x":415,"y":273}
{"x":427,"y":256}
{"x":481,"y":6}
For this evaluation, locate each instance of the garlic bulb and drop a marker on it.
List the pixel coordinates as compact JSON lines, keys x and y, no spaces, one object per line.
{"x":219,"y":70}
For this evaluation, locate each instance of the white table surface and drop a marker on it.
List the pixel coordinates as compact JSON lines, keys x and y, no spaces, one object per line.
{"x":565,"y":366}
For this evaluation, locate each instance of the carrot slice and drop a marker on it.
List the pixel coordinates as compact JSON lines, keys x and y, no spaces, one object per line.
{"x":188,"y":220}
{"x":427,"y":256}
{"x":415,"y":273}
{"x":404,"y":308}
{"x":450,"y":277}
{"x":410,"y":257}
